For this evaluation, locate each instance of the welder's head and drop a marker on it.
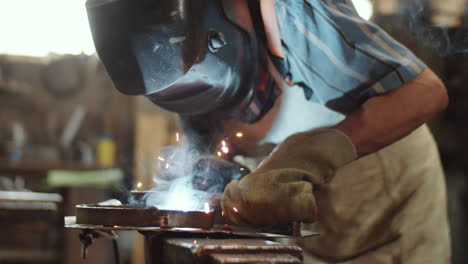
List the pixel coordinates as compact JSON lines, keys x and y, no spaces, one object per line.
{"x":193,"y":57}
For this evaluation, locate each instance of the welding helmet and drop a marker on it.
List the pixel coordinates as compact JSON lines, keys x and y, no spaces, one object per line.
{"x":193,"y":57}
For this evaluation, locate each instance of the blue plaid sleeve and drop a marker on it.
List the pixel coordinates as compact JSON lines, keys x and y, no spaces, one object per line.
{"x":338,"y":58}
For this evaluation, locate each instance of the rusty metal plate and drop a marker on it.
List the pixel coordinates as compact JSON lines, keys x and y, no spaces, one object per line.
{"x":70,"y":222}
{"x":209,"y":246}
{"x":219,"y":258}
{"x":224,"y":251}
{"x":136,"y":216}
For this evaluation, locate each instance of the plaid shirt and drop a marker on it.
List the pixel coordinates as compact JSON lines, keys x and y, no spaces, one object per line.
{"x":336,"y":57}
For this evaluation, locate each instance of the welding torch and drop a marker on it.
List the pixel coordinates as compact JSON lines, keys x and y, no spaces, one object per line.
{"x":212,"y":174}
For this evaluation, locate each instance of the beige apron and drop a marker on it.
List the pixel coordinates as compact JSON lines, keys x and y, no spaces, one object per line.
{"x":388,"y":207}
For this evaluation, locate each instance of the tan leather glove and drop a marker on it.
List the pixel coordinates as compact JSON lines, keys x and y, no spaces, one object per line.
{"x":280,"y":191}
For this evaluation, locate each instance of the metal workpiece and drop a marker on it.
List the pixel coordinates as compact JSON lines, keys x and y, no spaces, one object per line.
{"x":137,"y":216}
{"x":140,"y":218}
{"x":211,"y":251}
{"x":216,"y":231}
{"x":220,"y":258}
{"x":187,"y":237}
{"x":220,"y":244}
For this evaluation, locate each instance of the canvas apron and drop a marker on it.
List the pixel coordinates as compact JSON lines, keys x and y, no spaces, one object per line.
{"x":388,"y":207}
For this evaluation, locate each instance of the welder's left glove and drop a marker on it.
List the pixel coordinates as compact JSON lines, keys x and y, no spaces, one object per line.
{"x":280,"y":191}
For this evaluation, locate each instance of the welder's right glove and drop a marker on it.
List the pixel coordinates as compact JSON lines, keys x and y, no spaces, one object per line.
{"x":280,"y":191}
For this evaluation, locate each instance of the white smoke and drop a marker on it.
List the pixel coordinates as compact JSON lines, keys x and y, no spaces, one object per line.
{"x":179,"y":195}
{"x":447,"y":39}
{"x":173,"y":178}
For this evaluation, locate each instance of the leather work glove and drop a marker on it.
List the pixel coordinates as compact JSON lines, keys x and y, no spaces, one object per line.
{"x":281,"y":189}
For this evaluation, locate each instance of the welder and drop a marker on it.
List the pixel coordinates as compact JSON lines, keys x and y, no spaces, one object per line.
{"x":345,"y":104}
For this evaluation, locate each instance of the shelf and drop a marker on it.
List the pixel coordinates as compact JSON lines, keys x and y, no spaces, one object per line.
{"x":29,"y":255}
{"x":41,"y":167}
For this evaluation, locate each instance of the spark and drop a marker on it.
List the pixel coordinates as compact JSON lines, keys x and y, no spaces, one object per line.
{"x":222,"y":213}
{"x":195,"y":241}
{"x":175,"y":40}
{"x":156,"y":47}
{"x":167,"y":165}
{"x":225,"y":149}
{"x":235,"y":209}
{"x":219,"y":154}
{"x":139,"y":185}
{"x":207,"y":208}
{"x":239,"y":134}
{"x":172,"y":156}
{"x":177,"y":137}
{"x":161,"y":159}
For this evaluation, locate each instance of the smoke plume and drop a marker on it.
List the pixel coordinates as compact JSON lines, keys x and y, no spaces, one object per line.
{"x":445,"y":40}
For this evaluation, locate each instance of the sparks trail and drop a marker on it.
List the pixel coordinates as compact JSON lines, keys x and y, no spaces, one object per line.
{"x":177,"y":175}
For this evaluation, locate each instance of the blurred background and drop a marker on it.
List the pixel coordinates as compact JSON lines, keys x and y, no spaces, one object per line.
{"x":67,"y":137}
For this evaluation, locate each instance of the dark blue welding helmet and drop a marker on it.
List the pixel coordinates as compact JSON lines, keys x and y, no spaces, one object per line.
{"x":193,"y":57}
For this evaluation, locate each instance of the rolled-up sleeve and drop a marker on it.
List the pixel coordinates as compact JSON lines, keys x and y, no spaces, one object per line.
{"x":338,"y":58}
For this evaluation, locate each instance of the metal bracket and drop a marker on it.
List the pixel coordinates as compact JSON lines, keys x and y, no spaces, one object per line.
{"x":87,"y":236}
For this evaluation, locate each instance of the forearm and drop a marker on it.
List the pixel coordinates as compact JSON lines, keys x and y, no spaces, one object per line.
{"x":385,"y":119}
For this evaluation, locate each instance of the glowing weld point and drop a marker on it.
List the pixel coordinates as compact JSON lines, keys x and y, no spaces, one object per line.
{"x":225,"y":149}
{"x":219,"y":154}
{"x":223,"y":143}
{"x":241,"y":169}
{"x":161,"y":159}
{"x":177,"y":136}
{"x":139,"y":185}
{"x":239,"y":134}
{"x":235,"y":209}
{"x":167,"y":165}
{"x":207,"y":208}
{"x":222,"y":213}
{"x":195,"y":241}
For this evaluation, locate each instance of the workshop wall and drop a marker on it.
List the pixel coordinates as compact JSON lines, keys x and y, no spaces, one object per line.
{"x":40,"y":95}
